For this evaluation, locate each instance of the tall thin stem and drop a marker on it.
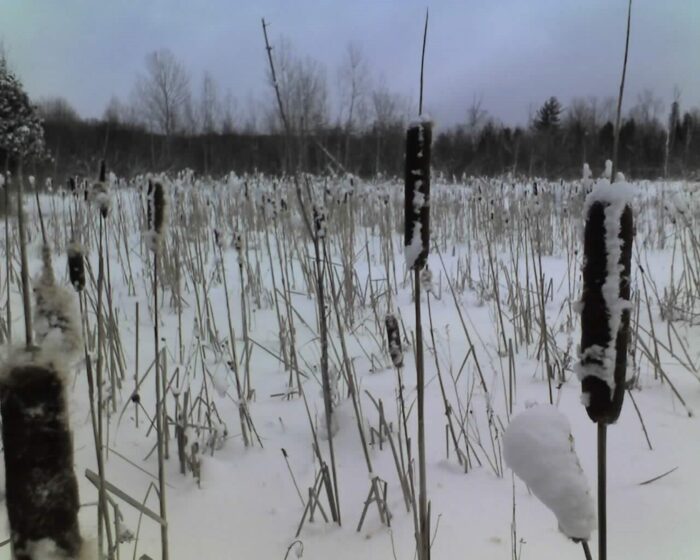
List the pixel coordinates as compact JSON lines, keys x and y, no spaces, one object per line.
{"x":159,"y":417}
{"x":602,"y":515}
{"x":424,"y":544}
{"x":616,"y":140}
{"x":26,"y":300}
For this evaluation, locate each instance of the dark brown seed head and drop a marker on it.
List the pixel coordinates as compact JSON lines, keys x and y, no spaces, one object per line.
{"x":156,"y":207}
{"x":417,"y":194}
{"x":76,"y":266}
{"x":602,"y":404}
{"x":394,"y":340}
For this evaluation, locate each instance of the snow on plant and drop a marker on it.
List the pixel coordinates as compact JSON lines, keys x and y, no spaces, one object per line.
{"x":394,"y":340}
{"x":605,"y":303}
{"x":56,"y":319}
{"x":157,"y":214}
{"x":539,"y":448}
{"x":417,"y":194}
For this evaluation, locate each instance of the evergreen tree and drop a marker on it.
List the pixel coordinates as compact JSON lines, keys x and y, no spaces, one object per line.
{"x":548,"y":116}
{"x":21,"y":130}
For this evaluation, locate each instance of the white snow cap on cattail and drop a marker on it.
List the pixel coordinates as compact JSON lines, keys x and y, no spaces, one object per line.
{"x":539,"y":448}
{"x":157,"y":213}
{"x":607,"y":174}
{"x":586,"y":171}
{"x":56,"y":319}
{"x":99,"y":194}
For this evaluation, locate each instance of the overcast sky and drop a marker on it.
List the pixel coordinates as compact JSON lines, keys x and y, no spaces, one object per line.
{"x":512,"y":53}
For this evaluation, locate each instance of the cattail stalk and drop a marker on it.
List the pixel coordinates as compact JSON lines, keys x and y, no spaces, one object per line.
{"x":156,"y":210}
{"x":416,"y":241}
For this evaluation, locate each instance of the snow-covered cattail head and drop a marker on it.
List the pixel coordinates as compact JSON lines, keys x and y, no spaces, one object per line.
{"x":604,"y":305}
{"x":393,"y":336}
{"x":99,"y":193}
{"x":539,"y":448}
{"x":417,"y":194}
{"x":156,"y":213}
{"x":76,"y":266}
{"x":607,"y":174}
{"x":56,"y":321}
{"x":319,"y":213}
{"x":238,"y":243}
{"x":39,"y":468}
{"x":218,"y":239}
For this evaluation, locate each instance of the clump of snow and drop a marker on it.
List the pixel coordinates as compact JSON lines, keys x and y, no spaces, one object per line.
{"x":56,"y":320}
{"x":607,"y":174}
{"x":413,"y":250}
{"x":539,"y":448}
{"x":587,"y":171}
{"x":596,"y":360}
{"x":99,"y":195}
{"x":47,"y":549}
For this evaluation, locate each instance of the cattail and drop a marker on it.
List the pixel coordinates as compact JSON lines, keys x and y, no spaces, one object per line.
{"x":604,"y":306}
{"x":76,"y":266}
{"x":71,"y":185}
{"x":156,"y":213}
{"x":417,"y":194}
{"x":99,"y":193}
{"x":41,"y":487}
{"x":319,"y":215}
{"x":42,"y":491}
{"x":56,"y":321}
{"x":393,"y":336}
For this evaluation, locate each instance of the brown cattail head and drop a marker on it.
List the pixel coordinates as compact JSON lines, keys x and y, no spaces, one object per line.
{"x":319,"y":215}
{"x":41,"y":488}
{"x":103,"y":171}
{"x":393,"y":336}
{"x":156,"y":212}
{"x":417,"y":194}
{"x":605,"y":309}
{"x":76,"y":266}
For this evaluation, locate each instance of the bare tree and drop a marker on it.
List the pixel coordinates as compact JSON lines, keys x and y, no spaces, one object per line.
{"x":57,"y":110}
{"x":353,"y":79}
{"x":303,"y":88}
{"x":386,"y":113}
{"x":647,"y":109}
{"x":476,"y":115}
{"x":163,"y":91}
{"x":209,"y":107}
{"x":229,"y":111}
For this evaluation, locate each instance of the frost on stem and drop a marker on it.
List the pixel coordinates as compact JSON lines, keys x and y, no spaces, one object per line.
{"x":417,"y":194}
{"x":539,"y":448}
{"x":604,"y":304}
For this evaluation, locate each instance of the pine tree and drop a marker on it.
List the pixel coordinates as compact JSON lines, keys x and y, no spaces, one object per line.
{"x":21,"y":130}
{"x":548,"y":116}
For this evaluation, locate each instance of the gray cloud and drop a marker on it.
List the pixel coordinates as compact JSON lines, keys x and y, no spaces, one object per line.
{"x":512,"y":53}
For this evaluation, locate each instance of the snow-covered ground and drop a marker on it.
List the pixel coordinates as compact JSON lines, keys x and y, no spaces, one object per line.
{"x":246,"y":504}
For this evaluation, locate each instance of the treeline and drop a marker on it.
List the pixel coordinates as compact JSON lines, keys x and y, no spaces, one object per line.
{"x":552,"y":148}
{"x":167,"y":124}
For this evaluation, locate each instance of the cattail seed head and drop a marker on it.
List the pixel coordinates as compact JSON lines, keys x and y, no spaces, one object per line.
{"x":238,"y":242}
{"x":605,"y":309}
{"x":393,"y":336}
{"x":417,"y":194}
{"x":156,"y":212}
{"x":76,"y":266}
